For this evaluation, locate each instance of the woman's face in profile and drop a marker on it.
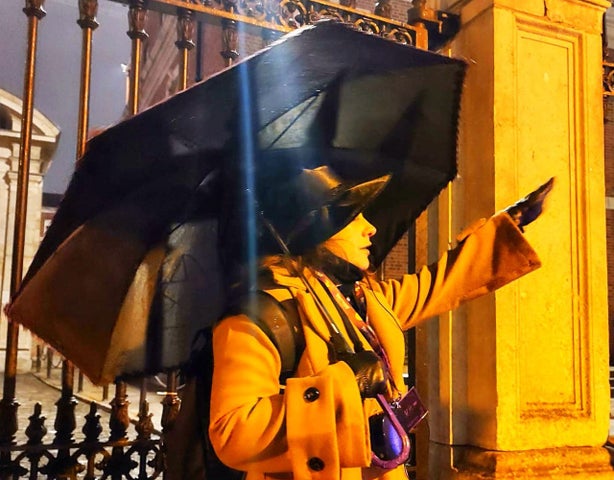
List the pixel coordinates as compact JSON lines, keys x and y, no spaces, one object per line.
{"x":352,"y":242}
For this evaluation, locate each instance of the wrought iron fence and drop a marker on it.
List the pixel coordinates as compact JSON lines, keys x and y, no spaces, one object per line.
{"x":608,"y":77}
{"x":114,"y":450}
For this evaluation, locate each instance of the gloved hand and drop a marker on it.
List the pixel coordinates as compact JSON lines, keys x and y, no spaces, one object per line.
{"x":369,"y":372}
{"x":527,"y":209}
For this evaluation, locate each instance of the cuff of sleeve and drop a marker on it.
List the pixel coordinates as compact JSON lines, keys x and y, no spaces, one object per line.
{"x":513,"y":256}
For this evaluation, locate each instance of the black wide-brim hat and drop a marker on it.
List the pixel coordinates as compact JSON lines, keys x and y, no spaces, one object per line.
{"x":307,"y":206}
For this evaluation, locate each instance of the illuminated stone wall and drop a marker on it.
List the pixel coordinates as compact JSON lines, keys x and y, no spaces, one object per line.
{"x":520,"y":377}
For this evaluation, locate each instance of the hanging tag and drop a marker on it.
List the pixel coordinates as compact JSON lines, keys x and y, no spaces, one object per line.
{"x":410,"y":410}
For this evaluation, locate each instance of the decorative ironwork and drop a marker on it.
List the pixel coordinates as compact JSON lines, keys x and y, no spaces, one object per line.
{"x":65,"y":422}
{"x":230,"y":41}
{"x":35,"y":8}
{"x":171,"y":402}
{"x":92,"y":458}
{"x":185,"y":29}
{"x":120,"y":420}
{"x":88,"y":9}
{"x":8,"y":405}
{"x":607,"y":64}
{"x":36,"y":429}
{"x":608,"y":78}
{"x":185,"y":43}
{"x":373,"y":24}
{"x":137,"y":16}
{"x":425,"y":27}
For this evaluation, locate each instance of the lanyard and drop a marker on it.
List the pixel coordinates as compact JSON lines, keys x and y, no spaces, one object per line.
{"x":357,"y":320}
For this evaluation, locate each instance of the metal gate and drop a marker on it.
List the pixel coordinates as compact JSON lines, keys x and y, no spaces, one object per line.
{"x":113,"y":450}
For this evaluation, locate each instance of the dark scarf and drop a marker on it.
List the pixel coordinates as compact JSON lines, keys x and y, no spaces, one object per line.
{"x":340,"y":271}
{"x":344,"y":275}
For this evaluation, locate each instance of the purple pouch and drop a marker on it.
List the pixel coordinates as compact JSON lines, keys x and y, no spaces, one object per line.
{"x":410,"y":410}
{"x":389,"y":430}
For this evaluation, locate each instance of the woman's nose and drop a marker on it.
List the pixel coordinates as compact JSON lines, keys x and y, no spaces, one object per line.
{"x":369,"y":228}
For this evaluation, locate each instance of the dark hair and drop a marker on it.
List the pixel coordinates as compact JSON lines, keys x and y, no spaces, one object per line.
{"x":319,"y":258}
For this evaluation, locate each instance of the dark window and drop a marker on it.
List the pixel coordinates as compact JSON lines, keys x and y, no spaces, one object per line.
{"x":5,"y":119}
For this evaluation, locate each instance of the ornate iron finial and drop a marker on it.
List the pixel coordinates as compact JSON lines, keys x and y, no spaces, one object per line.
{"x":92,"y":427}
{"x":88,"y":9}
{"x":36,"y":430}
{"x":383,"y":8}
{"x":65,"y":422}
{"x":120,"y":420}
{"x":185,"y":29}
{"x":137,"y":17}
{"x":170,"y":408}
{"x":144,"y":427}
{"x":230,"y":41}
{"x":35,"y":8}
{"x":294,"y":14}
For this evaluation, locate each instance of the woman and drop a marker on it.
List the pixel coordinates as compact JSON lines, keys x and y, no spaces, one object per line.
{"x":317,"y":424}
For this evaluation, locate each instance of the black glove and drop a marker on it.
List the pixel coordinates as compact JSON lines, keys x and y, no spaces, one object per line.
{"x":369,"y":372}
{"x":527,"y":209}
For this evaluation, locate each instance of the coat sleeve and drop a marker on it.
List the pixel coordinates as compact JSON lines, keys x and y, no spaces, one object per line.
{"x":490,"y":254}
{"x":253,"y":426}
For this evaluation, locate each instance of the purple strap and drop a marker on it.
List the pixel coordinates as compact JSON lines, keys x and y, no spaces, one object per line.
{"x":405,"y":451}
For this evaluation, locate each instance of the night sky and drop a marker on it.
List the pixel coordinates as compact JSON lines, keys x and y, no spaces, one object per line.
{"x":58,"y":68}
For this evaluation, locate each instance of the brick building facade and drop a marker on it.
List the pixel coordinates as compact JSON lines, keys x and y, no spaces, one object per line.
{"x":608,"y":126}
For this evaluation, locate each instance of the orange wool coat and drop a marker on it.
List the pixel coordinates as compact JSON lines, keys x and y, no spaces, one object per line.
{"x":289,"y":435}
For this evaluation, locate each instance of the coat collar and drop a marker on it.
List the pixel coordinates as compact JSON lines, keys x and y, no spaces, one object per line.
{"x":283,"y":277}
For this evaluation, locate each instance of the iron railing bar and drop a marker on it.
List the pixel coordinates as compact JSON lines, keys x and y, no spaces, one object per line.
{"x":88,"y":23}
{"x":8,"y":405}
{"x":137,"y":18}
{"x":185,"y":43}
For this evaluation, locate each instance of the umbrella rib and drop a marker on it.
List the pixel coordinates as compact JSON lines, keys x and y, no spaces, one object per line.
{"x":281,"y":134}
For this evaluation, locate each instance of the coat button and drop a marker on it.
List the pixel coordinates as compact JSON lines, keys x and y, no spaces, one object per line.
{"x":316,"y":464}
{"x":311,"y":394}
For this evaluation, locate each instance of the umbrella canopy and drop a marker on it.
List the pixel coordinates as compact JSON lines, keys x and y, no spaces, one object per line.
{"x":132,"y":263}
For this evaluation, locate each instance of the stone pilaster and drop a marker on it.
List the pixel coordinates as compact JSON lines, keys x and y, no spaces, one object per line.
{"x":518,"y":380}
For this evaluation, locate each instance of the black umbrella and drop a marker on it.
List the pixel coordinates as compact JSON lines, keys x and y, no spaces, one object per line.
{"x":132,"y":264}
